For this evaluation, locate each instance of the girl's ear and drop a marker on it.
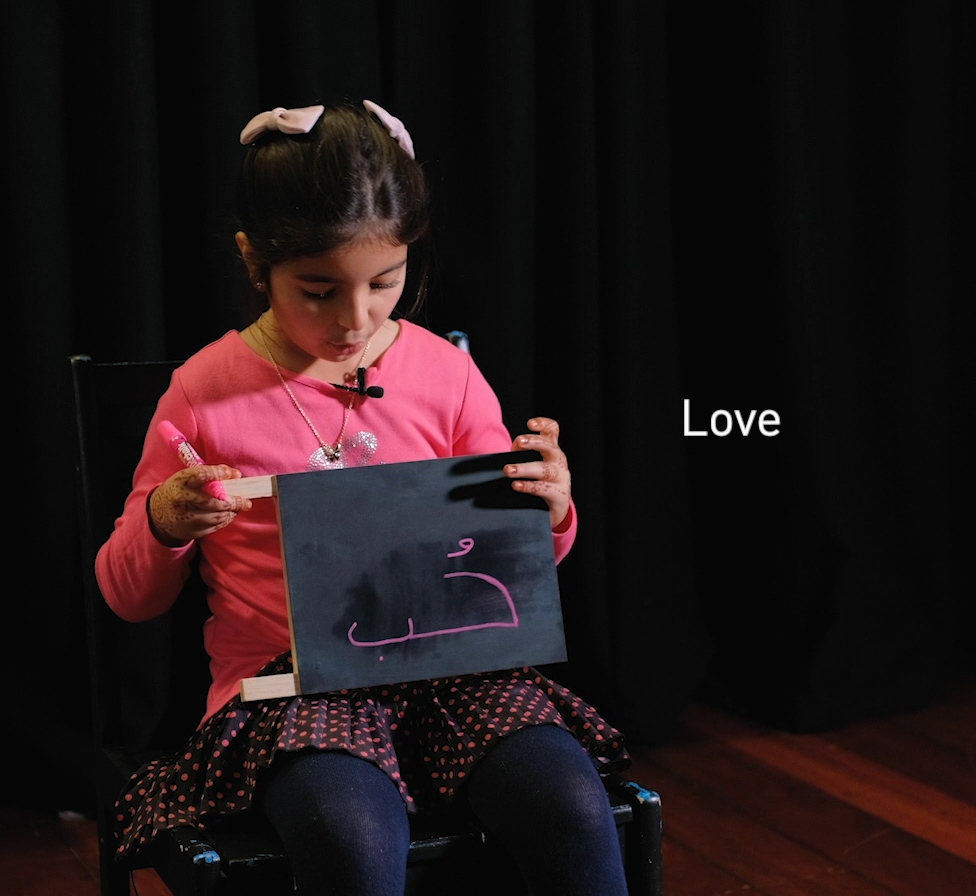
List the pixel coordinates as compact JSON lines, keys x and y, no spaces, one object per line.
{"x":247,"y":253}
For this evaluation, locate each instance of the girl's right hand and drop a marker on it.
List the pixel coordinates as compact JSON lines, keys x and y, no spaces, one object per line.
{"x":180,"y":510}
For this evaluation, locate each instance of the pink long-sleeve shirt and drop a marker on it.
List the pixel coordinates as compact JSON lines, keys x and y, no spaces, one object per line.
{"x":231,"y":406}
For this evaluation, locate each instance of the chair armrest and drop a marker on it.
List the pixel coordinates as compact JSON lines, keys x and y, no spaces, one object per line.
{"x":186,"y":861}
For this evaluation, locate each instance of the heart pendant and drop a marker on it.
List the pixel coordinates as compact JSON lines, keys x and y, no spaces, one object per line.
{"x":356,"y":451}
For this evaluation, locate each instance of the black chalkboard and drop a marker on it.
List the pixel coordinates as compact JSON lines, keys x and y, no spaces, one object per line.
{"x":418,"y":570}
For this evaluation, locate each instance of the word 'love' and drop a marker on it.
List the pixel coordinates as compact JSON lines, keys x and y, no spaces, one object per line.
{"x":721,"y":422}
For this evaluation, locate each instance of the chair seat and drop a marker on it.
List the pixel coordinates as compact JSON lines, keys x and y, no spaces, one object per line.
{"x":244,"y":860}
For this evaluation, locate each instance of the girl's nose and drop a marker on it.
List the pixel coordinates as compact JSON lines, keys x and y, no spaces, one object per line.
{"x":355,"y":313}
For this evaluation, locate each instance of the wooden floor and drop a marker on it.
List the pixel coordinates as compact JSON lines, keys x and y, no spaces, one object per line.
{"x":882,"y":807}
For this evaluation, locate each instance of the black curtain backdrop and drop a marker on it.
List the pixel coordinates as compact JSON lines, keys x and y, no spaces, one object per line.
{"x":761,"y":205}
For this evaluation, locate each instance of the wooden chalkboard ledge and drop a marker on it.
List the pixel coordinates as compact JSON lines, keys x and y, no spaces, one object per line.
{"x":269,"y":687}
{"x":250,"y":486}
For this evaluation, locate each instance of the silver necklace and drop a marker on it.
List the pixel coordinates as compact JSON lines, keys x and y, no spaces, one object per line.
{"x":332,"y":452}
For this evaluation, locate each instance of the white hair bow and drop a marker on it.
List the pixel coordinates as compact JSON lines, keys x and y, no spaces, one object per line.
{"x":393,"y":124}
{"x":288,"y":121}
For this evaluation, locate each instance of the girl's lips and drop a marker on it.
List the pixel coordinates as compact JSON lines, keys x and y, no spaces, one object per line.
{"x":344,"y":348}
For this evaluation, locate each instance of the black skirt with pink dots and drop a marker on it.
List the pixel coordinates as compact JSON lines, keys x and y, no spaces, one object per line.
{"x":426,"y":735}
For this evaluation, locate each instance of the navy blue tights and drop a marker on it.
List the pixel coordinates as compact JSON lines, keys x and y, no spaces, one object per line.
{"x":345,"y":828}
{"x":538,"y":793}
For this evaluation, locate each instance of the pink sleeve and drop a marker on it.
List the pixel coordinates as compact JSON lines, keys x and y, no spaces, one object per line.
{"x":565,"y":536}
{"x":481,"y":430}
{"x":139,"y":577}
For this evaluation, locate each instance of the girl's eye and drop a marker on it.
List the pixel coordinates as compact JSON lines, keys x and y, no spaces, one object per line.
{"x":323,"y":296}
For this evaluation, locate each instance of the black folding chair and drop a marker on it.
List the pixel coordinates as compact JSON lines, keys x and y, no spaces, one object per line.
{"x":149,"y":681}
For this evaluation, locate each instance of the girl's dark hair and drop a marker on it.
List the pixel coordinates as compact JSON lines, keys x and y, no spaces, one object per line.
{"x":347,"y":179}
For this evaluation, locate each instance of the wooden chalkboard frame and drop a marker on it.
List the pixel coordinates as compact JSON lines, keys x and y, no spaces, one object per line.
{"x":429,"y":569}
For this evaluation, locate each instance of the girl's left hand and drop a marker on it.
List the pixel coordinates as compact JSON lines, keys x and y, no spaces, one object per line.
{"x":548,"y":478}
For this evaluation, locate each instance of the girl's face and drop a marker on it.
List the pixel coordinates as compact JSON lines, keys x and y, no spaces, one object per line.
{"x":330,"y":304}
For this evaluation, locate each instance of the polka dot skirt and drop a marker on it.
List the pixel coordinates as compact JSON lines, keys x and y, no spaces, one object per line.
{"x":426,"y":735}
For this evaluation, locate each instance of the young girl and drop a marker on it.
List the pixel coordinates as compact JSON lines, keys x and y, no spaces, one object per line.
{"x":332,"y":205}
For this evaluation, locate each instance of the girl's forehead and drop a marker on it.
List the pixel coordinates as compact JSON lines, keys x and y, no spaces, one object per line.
{"x":362,"y":259}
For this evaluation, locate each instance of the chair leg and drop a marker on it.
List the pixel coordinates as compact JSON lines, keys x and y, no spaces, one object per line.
{"x":115,"y":882}
{"x":642,"y":836}
{"x":114,"y":877}
{"x":644,"y":843}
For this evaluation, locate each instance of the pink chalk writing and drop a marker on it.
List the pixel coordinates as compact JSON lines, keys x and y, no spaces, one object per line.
{"x":412,"y":634}
{"x":466,"y":545}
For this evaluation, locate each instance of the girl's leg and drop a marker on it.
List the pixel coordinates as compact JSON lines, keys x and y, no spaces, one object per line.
{"x":342,"y":821}
{"x":538,"y":793}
